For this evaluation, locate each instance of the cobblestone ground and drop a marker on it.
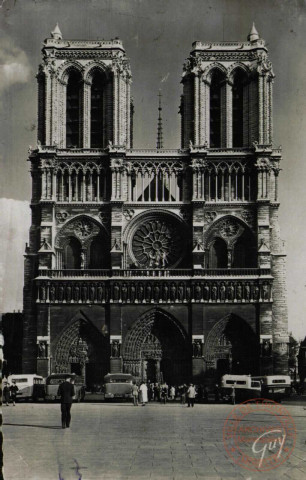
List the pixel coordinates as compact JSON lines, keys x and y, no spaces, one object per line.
{"x":119,"y":441}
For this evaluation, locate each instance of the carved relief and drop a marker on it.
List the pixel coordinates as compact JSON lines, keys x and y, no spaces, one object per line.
{"x":210,"y":216}
{"x":61,"y":216}
{"x":128,"y":213}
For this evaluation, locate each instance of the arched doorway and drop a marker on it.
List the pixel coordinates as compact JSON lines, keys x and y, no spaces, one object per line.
{"x":82,"y":349}
{"x":231,"y":347}
{"x":72,"y":254}
{"x":156,"y":349}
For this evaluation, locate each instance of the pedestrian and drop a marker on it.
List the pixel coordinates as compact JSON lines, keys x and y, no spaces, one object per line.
{"x":6,"y":393}
{"x":172,"y":393}
{"x":156,"y":392}
{"x":183,"y":390}
{"x":135,"y":391}
{"x":191,"y":393}
{"x":164,"y":393}
{"x":233,"y":394}
{"x":67,"y":392}
{"x":143,"y":394}
{"x":13,"y":390}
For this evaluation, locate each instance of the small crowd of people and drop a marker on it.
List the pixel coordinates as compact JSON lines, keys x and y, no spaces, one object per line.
{"x":161,"y":392}
{"x":9,"y":393}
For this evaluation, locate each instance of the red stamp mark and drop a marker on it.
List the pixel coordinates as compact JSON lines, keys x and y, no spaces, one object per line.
{"x":259,"y":434}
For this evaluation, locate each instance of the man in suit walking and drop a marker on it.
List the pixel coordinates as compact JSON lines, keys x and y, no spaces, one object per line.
{"x":67,"y":393}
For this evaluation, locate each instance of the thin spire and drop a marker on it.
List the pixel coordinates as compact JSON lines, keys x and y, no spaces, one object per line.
{"x":253,"y":35}
{"x":159,"y":123}
{"x":57,"y":34}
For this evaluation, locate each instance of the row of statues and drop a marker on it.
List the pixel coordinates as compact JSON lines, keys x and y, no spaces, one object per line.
{"x":154,"y":292}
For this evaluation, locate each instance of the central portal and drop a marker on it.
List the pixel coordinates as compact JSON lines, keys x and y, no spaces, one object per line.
{"x":156,"y":349}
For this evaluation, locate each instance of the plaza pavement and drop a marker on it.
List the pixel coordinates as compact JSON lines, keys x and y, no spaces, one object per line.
{"x":121,"y":442}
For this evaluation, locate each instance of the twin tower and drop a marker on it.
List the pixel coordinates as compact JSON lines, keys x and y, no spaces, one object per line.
{"x":166,"y":264}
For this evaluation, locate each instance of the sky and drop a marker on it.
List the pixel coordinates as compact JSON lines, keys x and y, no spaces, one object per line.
{"x":157,"y":36}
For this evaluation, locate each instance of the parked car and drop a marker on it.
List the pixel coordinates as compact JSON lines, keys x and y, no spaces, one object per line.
{"x":54,"y":380}
{"x":30,"y":386}
{"x":118,"y":385}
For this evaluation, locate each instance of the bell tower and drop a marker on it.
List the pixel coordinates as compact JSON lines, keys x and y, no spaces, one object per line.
{"x":84,"y":93}
{"x":227,"y":94}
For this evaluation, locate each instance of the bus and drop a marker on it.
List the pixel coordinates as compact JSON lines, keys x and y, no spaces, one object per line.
{"x":274,"y":387}
{"x":245,"y":386}
{"x":118,"y":385}
{"x":54,"y":380}
{"x":30,"y":386}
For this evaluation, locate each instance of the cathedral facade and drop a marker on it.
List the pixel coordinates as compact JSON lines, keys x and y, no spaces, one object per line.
{"x":167,"y":264}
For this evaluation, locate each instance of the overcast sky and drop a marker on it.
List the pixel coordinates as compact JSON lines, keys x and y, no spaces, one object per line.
{"x":157,"y":36}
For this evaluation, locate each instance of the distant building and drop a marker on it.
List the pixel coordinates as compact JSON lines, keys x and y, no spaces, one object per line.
{"x":167,"y":264}
{"x":11,"y":326}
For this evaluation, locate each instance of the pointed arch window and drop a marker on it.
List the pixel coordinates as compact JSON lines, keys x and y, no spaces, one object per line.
{"x":238,"y":110}
{"x":218,"y":254}
{"x":72,"y":254}
{"x":96,"y":112}
{"x":73,"y":110}
{"x":215,"y":109}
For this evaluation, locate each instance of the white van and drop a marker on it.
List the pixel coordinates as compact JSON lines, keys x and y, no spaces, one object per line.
{"x":30,"y":386}
{"x":244,"y":386}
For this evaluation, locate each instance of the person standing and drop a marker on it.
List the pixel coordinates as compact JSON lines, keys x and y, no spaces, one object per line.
{"x":143,"y":394}
{"x":13,"y":390}
{"x":135,"y":391}
{"x":67,"y":392}
{"x":6,"y":394}
{"x":191,"y":393}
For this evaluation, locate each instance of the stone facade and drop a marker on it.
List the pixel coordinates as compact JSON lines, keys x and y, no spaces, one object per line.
{"x":164,"y":263}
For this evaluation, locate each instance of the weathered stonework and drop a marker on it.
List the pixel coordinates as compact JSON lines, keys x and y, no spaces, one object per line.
{"x":164,"y":263}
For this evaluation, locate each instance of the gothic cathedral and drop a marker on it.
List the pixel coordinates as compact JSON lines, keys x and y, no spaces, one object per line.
{"x":167,"y":264}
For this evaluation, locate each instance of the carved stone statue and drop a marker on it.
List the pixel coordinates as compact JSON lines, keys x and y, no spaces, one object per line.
{"x":82,"y":260}
{"x":206,"y":292}
{"x":214,"y":292}
{"x":76,"y":293}
{"x":84,"y":293}
{"x":188,"y":293}
{"x":124,"y":292}
{"x":197,"y":292}
{"x":60,"y":293}
{"x":68,"y":293}
{"x":256,"y":292}
{"x":140,"y":293}
{"x":115,"y":350}
{"x":181,"y":292}
{"x":173,"y":292}
{"x":132,"y":293}
{"x":42,"y":350}
{"x":265,"y":292}
{"x":230,"y":292}
{"x":165,"y":292}
{"x":99,"y":293}
{"x":247,"y":292}
{"x":239,"y":292}
{"x":116,"y":292}
{"x":197,"y":348}
{"x":222,"y":292}
{"x":42,"y":294}
{"x":156,"y":293}
{"x":92,"y":293}
{"x":148,"y":292}
{"x":52,"y":293}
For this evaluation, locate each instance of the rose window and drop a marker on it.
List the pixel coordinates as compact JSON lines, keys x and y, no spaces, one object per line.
{"x":157,"y":244}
